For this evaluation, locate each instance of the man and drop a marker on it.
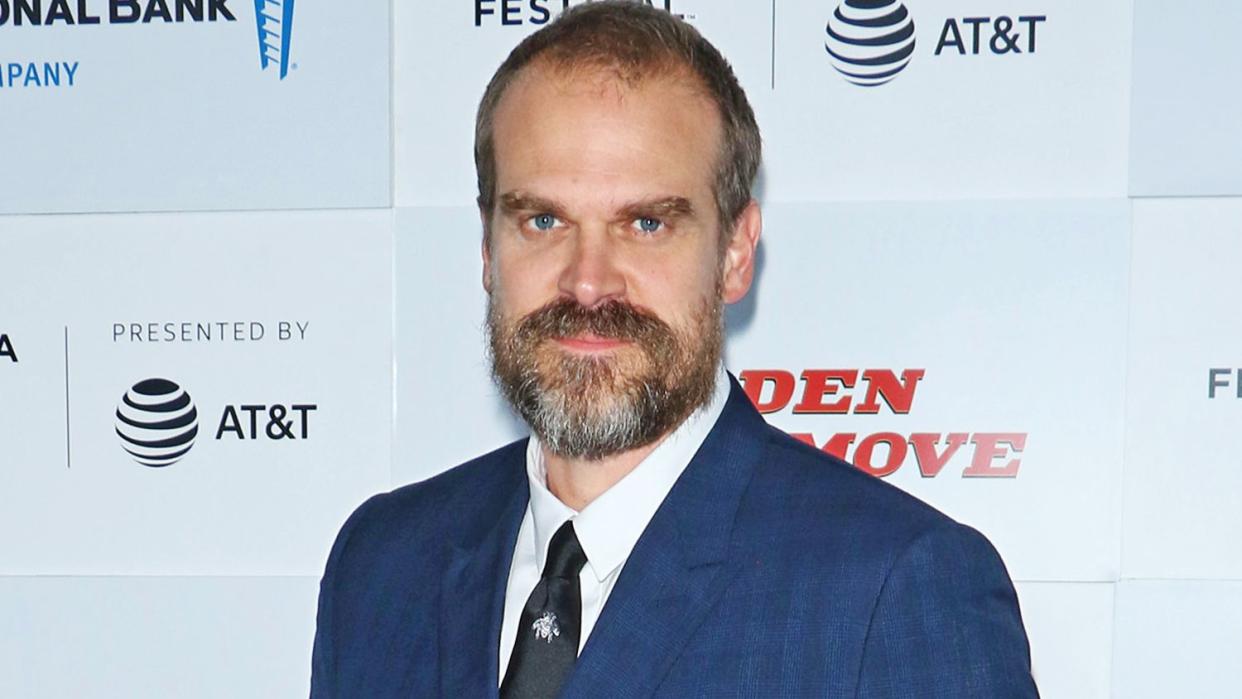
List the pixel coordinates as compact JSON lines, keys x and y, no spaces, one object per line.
{"x":653,"y":537}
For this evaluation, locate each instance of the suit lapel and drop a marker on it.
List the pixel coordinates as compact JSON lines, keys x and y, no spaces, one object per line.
{"x":472,"y":594}
{"x":679,"y":567}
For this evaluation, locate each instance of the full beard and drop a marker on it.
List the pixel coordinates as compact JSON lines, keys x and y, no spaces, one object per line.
{"x":592,"y":407}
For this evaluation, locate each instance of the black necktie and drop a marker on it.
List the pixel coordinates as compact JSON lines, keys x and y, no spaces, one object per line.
{"x":547,"y":635}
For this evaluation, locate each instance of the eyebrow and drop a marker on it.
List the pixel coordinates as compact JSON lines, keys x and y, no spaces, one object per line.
{"x":663,"y":207}
{"x":519,"y":201}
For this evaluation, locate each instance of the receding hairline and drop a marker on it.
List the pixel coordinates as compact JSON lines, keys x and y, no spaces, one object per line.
{"x":630,"y":69}
{"x":676,"y":74}
{"x":672,"y":71}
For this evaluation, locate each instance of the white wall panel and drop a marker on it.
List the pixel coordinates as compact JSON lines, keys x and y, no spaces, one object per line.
{"x":1187,"y":106}
{"x":1070,"y":627}
{"x":200,"y":300}
{"x":1182,"y":475}
{"x":190,"y":638}
{"x":174,"y":115}
{"x":447,"y":408}
{"x":1177,"y":639}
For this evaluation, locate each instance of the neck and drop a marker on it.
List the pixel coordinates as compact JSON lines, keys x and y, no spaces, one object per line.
{"x":577,"y":482}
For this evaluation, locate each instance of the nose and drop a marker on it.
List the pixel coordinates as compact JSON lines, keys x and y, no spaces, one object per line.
{"x":592,"y":275}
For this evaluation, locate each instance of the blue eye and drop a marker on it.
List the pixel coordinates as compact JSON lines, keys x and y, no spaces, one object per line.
{"x":543,"y":222}
{"x":647,"y":224}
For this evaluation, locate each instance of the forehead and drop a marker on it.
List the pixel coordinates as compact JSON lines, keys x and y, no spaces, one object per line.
{"x":589,"y":123}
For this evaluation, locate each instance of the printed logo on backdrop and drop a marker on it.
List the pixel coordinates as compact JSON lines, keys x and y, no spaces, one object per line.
{"x":870,"y":42}
{"x":157,"y":421}
{"x":1224,"y":383}
{"x":273,"y":22}
{"x":882,"y":453}
{"x":518,"y":13}
{"x":6,"y":349}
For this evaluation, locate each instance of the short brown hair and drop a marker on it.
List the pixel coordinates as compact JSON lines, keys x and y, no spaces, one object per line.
{"x":634,"y":41}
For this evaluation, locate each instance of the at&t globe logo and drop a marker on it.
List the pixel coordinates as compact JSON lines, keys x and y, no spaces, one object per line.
{"x":870,"y":41}
{"x":157,"y":422}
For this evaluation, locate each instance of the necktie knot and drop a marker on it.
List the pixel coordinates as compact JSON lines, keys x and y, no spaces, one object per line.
{"x":565,"y":554}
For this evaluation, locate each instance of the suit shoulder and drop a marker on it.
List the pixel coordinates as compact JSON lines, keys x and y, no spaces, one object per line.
{"x":809,"y":512}
{"x":443,"y":503}
{"x":472,"y":480}
{"x":827,"y":490}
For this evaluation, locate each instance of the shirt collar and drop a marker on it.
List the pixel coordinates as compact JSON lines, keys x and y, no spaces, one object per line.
{"x":609,"y":527}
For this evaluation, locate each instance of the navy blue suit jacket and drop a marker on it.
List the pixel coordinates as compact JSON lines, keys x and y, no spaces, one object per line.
{"x":771,"y":570}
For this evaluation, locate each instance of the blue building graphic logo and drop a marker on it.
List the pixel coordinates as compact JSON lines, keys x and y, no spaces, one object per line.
{"x":274,"y":19}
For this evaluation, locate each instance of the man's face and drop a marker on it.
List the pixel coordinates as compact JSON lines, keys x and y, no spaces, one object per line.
{"x":604,"y":269}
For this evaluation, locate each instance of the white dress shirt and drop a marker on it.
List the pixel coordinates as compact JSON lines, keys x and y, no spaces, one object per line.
{"x":608,"y":527}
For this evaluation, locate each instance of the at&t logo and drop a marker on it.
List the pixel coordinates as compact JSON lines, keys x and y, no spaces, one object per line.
{"x":157,"y":422}
{"x":277,"y":422}
{"x":870,"y":41}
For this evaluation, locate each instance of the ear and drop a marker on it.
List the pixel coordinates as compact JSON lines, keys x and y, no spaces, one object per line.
{"x":739,"y":256}
{"x":487,"y":253}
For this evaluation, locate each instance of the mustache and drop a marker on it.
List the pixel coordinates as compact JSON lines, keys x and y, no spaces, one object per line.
{"x":612,"y":319}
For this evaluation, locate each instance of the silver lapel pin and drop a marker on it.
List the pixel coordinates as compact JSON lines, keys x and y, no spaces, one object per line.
{"x":545,"y":627}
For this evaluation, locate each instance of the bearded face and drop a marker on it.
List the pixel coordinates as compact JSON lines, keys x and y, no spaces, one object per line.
{"x":594,"y":405}
{"x":604,"y":258}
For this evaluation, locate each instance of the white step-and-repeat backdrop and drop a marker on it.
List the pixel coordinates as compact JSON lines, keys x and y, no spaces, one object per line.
{"x":1004,"y":277}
